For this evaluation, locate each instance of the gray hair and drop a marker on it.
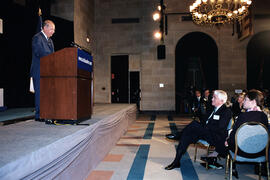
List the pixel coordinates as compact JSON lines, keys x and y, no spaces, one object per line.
{"x":47,"y":23}
{"x":222,"y":95}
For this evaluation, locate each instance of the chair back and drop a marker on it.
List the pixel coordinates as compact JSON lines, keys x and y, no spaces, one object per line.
{"x":230,"y":124}
{"x":251,"y":138}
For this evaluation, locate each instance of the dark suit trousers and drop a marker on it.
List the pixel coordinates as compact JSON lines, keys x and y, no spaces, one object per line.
{"x":191,"y":134}
{"x":36,"y":82}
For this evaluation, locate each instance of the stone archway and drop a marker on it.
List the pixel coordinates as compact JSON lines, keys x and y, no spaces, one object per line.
{"x":196,"y":66}
{"x":258,"y":61}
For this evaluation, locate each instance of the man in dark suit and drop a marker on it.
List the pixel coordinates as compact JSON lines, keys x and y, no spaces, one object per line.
{"x":42,"y":45}
{"x":207,"y":106}
{"x":197,"y":104}
{"x":197,"y":107}
{"x":214,"y":130}
{"x":202,"y":107}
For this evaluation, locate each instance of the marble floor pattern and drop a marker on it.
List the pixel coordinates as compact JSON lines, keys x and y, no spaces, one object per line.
{"x":143,"y":152}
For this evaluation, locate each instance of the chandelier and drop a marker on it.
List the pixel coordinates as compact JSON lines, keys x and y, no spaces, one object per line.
{"x":216,"y":12}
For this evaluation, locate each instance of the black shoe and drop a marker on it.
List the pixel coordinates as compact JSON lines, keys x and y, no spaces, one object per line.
{"x":210,"y":160}
{"x":172,"y":166}
{"x":40,"y":120}
{"x":204,"y":158}
{"x":49,"y":121}
{"x":173,"y":136}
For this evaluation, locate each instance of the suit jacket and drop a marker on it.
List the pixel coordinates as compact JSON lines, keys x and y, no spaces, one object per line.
{"x":196,"y":103}
{"x":217,"y":126}
{"x":250,"y":116}
{"x":207,"y":105}
{"x":198,"y":106}
{"x":40,"y":47}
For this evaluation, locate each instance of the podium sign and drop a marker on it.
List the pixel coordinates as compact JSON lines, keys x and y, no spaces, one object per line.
{"x":85,"y":61}
{"x":65,"y":85}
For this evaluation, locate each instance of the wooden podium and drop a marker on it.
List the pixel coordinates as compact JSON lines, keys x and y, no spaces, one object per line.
{"x":66,"y":85}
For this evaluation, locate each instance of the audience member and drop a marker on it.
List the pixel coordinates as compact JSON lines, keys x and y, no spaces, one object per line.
{"x":253,"y":104}
{"x":197,"y":104}
{"x":237,"y":106}
{"x":207,"y":106}
{"x":214,"y":131}
{"x":266,"y":98}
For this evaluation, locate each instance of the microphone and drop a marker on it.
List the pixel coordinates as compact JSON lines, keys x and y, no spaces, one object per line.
{"x":73,"y":44}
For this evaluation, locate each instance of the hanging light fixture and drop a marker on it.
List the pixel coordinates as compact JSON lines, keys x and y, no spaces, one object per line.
{"x":216,"y":12}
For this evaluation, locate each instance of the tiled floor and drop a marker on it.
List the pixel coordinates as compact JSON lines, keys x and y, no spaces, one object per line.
{"x":143,"y":152}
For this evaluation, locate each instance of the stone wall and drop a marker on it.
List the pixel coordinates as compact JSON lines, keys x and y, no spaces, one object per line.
{"x":84,"y":23}
{"x":137,"y":39}
{"x":63,"y":9}
{"x":114,"y":39}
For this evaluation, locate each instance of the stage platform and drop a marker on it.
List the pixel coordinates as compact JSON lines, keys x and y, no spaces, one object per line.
{"x":16,"y":114}
{"x":34,"y":150}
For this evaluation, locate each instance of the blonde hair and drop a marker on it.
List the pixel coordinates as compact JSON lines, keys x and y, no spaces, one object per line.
{"x":242,"y":94}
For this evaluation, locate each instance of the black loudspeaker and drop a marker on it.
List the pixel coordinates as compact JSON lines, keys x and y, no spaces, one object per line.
{"x":161,"y":52}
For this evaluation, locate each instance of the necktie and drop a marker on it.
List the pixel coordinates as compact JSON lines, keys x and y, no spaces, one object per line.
{"x":50,"y":44}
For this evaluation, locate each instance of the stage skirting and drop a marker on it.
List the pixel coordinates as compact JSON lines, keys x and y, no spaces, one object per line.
{"x":70,"y":155}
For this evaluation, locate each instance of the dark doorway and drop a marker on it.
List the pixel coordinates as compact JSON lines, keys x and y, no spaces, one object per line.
{"x":119,"y":79}
{"x":134,"y":90}
{"x":196,"y":67}
{"x":258,"y":61}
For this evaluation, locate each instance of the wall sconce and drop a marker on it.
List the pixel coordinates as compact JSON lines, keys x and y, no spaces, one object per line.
{"x":162,"y":16}
{"x":159,"y":16}
{"x":156,"y":16}
{"x":157,"y":35}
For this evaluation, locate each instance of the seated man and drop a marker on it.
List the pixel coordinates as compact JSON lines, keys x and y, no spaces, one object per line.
{"x":214,"y":131}
{"x":197,"y":104}
{"x":207,"y":106}
{"x":206,"y":109}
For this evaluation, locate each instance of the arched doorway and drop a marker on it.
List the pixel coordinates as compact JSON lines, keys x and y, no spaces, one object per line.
{"x":258,"y":61}
{"x":196,"y":66}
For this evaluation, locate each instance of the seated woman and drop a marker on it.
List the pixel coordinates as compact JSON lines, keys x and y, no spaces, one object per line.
{"x":253,"y":104}
{"x":237,"y":106}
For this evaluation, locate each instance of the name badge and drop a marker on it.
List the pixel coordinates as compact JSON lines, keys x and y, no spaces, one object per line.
{"x":216,"y":117}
